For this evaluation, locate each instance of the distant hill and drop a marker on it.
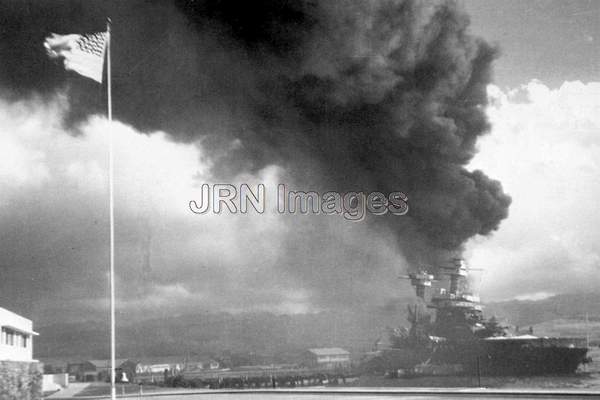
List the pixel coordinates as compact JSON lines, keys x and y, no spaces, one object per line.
{"x":564,"y":315}
{"x":262,"y":334}
{"x":570,"y":328}
{"x":560,"y":307}
{"x":278,"y":336}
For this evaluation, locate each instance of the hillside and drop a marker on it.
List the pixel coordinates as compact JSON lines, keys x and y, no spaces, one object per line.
{"x":253,"y":333}
{"x":276,"y":336}
{"x":572,"y":306}
{"x":565,"y":315}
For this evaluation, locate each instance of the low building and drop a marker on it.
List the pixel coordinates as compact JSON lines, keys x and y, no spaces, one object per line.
{"x":155,"y":369}
{"x":54,"y":365}
{"x":99,"y":370}
{"x":327,"y":358}
{"x":203,"y":364}
{"x":20,"y":374}
{"x":16,"y":341}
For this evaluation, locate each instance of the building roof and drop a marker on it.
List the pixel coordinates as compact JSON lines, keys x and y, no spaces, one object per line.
{"x":162,"y":360}
{"x":20,"y":330}
{"x":106,"y":363}
{"x":520,"y":337}
{"x":329,"y":351}
{"x":175,"y":360}
{"x":16,"y":322}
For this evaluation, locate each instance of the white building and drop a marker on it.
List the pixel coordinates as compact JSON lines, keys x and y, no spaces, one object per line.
{"x":327,"y":358}
{"x":16,"y":342}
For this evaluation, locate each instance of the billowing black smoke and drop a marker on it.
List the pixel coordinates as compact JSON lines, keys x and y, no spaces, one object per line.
{"x":344,"y":95}
{"x":373,"y":95}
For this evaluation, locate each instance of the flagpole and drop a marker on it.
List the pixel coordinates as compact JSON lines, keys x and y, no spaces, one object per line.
{"x":113,"y":389}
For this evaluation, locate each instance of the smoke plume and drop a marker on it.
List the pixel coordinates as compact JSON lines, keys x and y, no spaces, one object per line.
{"x":347,"y":95}
{"x":368,"y":95}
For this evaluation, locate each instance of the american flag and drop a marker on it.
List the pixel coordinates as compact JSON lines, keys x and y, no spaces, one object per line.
{"x":83,"y":54}
{"x":93,"y":43}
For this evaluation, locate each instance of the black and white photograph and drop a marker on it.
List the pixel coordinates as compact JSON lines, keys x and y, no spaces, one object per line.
{"x":299,"y":199}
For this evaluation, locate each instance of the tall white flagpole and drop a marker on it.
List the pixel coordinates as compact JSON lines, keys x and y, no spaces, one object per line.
{"x":113,"y":389}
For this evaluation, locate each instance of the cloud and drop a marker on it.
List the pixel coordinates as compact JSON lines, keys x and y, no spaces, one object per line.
{"x":21,"y":161}
{"x":53,"y":203}
{"x":54,"y":213}
{"x":544,"y":147}
{"x":379,"y":96}
{"x":374,"y":96}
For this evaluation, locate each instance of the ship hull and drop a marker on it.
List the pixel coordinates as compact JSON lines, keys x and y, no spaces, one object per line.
{"x":535,"y":361}
{"x":514,"y":357}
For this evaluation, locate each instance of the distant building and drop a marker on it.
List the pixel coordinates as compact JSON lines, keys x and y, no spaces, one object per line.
{"x":99,"y":370}
{"x":327,"y":358}
{"x":54,"y":365}
{"x":154,"y":369}
{"x":203,"y":364}
{"x":16,"y":341}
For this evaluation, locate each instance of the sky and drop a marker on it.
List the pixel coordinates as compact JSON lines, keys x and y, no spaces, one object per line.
{"x":180,"y":121}
{"x":552,"y":41}
{"x":543,"y":147}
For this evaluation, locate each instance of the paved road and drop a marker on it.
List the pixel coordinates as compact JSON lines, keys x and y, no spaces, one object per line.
{"x":363,"y":394}
{"x":298,"y":396}
{"x":70,"y":391}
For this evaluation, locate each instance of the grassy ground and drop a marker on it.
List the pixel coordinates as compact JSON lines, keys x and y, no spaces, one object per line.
{"x":100,"y":389}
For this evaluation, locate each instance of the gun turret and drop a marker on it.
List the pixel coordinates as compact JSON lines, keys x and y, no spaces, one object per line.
{"x":420,"y":280}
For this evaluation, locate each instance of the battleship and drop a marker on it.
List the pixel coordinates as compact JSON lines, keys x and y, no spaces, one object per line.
{"x":449,"y":335}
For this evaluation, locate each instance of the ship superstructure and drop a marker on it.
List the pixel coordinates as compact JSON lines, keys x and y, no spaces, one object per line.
{"x":456,"y":337}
